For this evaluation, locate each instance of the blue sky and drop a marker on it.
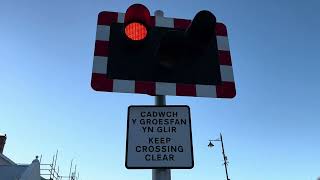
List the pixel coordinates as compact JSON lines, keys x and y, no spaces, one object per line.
{"x":271,"y":128}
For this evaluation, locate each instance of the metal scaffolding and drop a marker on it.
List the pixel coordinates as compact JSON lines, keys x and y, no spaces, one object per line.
{"x":51,"y":171}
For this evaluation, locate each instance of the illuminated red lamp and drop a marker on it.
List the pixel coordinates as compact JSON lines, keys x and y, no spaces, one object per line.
{"x":136,"y":31}
{"x":136,"y":22}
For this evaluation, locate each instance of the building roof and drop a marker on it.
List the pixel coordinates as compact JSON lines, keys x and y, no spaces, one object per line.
{"x":5,"y":159}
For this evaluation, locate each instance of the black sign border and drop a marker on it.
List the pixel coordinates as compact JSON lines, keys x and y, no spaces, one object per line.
{"x":157,"y":167}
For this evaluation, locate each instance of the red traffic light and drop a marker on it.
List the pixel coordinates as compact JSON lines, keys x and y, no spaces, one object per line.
{"x":136,"y":22}
{"x":162,"y":56}
{"x":136,"y":31}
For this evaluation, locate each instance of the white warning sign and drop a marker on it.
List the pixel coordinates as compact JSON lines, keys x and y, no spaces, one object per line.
{"x":159,"y":137}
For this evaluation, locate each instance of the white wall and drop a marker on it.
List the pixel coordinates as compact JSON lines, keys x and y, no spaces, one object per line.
{"x":32,"y":172}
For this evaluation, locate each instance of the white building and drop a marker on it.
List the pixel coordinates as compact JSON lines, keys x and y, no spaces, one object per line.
{"x":9,"y":170}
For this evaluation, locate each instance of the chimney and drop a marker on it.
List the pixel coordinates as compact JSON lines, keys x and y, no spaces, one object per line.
{"x":2,"y":142}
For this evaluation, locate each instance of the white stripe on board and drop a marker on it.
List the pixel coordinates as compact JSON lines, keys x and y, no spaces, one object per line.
{"x":103,"y":33}
{"x":223,"y":43}
{"x":120,"y":18}
{"x":100,"y":64}
{"x":206,"y":91}
{"x":226,"y":73}
{"x":125,"y":86}
{"x":163,"y":88}
{"x":164,"y":22}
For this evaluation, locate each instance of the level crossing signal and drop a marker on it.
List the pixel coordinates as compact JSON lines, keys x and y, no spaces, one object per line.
{"x":139,"y":53}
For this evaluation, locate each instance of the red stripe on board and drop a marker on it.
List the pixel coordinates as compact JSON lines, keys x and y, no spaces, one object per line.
{"x":107,"y":18}
{"x":221,"y":29}
{"x":152,"y":21}
{"x":101,"y":48}
{"x":143,"y":87}
{"x":100,"y":82}
{"x":181,"y":23}
{"x":224,"y":58}
{"x":226,"y":90}
{"x":186,"y":90}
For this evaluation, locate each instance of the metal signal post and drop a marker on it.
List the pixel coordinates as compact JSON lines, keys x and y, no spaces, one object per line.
{"x":161,"y":174}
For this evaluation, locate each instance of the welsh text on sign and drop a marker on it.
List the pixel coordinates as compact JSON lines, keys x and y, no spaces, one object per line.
{"x":159,"y":137}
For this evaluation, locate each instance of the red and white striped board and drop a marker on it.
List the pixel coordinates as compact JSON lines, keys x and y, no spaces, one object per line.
{"x":100,"y":81}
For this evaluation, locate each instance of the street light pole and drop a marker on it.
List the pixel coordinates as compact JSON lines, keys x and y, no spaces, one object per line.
{"x":225,"y":159}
